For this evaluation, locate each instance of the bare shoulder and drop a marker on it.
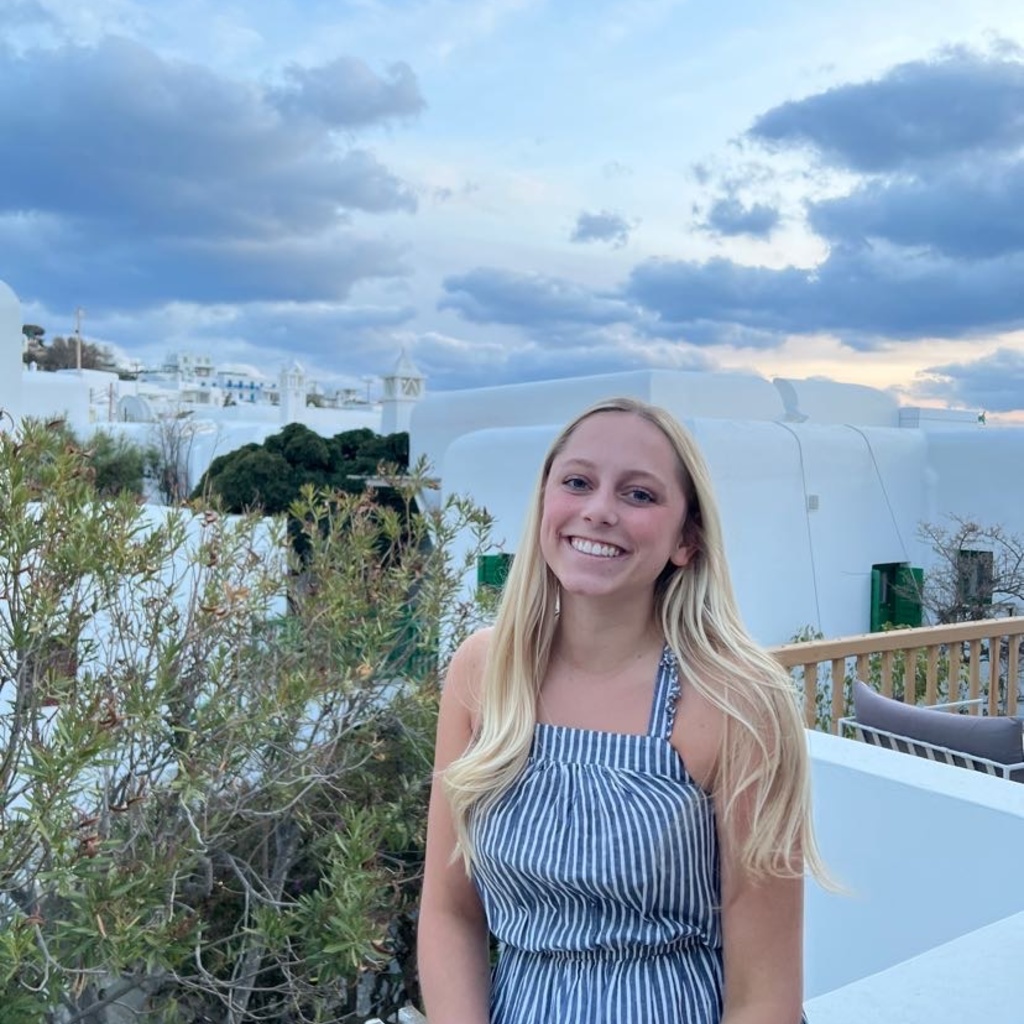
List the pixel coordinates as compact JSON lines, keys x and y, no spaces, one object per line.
{"x":697,"y":734}
{"x":465,"y":671}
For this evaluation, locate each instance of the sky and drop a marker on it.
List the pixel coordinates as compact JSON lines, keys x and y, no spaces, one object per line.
{"x":516,"y":190}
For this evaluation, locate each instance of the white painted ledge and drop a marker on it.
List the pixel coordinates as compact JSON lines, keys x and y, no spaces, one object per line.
{"x":973,"y":978}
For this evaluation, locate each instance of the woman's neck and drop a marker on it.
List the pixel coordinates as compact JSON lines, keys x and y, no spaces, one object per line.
{"x":601,"y":639}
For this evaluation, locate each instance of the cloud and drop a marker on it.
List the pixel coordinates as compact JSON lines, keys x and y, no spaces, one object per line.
{"x":994,"y":383}
{"x":728,"y":216}
{"x":451,"y":362}
{"x":154,"y":180}
{"x":601,"y":227}
{"x":958,"y":104}
{"x":536,"y":302}
{"x":346,"y":94}
{"x":968,"y":212}
{"x":863,"y":295}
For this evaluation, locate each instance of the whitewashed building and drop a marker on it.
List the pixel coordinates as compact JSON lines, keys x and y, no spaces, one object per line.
{"x":819,"y":483}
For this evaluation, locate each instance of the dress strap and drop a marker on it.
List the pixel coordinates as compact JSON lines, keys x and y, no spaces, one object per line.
{"x":666,"y":696}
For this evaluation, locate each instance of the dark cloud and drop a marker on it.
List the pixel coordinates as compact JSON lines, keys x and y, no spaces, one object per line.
{"x":864,"y":295}
{"x":960,"y":103}
{"x":995,"y":383}
{"x":126,"y":274}
{"x":451,"y":363}
{"x":971,"y":212}
{"x":488,"y":295}
{"x":161,"y":180}
{"x":347,"y":94}
{"x":358,"y":339}
{"x":601,"y":227}
{"x":728,"y":216}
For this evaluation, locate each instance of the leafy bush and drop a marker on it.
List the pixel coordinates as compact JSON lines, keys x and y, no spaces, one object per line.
{"x":215,"y":761}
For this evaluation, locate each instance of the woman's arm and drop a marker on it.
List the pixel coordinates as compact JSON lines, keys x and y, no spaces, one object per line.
{"x":762,"y":936}
{"x":762,"y":921}
{"x":452,"y":940}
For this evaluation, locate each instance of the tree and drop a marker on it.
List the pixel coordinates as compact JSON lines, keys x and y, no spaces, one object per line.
{"x":977,"y":570}
{"x":120,"y":466}
{"x":35,"y":345}
{"x":62,"y":354}
{"x":213,"y":772}
{"x":175,"y":438}
{"x":271,"y":476}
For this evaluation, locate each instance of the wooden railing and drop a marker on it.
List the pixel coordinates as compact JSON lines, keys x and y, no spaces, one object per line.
{"x":973,"y":660}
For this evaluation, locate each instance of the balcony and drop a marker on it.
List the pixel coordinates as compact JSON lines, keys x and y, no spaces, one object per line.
{"x":932,"y":925}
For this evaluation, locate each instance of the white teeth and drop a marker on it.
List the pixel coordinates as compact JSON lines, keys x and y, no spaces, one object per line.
{"x":590,"y":547}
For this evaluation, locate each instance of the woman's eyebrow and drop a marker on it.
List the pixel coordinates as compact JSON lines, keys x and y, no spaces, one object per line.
{"x":628,"y":474}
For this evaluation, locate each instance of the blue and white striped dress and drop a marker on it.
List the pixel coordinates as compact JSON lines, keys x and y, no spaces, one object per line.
{"x":599,"y":873}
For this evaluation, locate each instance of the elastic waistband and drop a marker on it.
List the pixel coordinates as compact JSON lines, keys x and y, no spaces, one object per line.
{"x":601,"y":954}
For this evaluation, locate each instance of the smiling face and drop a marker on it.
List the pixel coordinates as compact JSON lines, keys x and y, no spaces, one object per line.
{"x":613,"y":508}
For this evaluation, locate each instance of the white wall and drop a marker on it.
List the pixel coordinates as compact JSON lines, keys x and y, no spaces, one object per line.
{"x":869,"y":483}
{"x":928,"y":852}
{"x":756,"y":473}
{"x":978,"y":474}
{"x":973,"y":978}
{"x":791,"y":567}
{"x":10,"y":354}
{"x":829,"y":401}
{"x":441,"y":417}
{"x":49,"y":395}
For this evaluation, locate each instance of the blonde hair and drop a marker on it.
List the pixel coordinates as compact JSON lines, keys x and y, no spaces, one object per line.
{"x":762,"y":777}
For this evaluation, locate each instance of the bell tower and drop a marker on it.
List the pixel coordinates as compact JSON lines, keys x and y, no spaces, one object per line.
{"x":403,"y":388}
{"x":293,"y":393}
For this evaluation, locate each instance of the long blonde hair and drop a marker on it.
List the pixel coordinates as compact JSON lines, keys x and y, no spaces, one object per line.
{"x":762,"y":776}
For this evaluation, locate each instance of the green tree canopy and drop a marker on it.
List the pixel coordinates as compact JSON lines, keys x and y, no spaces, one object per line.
{"x":271,"y":476}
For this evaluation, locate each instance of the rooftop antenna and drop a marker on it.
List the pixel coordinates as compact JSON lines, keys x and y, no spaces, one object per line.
{"x":78,"y":338}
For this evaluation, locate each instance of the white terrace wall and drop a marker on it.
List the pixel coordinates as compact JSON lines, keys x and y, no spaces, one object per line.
{"x":928,"y":853}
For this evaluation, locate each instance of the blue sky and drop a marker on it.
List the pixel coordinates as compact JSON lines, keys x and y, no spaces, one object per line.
{"x":518,"y":189}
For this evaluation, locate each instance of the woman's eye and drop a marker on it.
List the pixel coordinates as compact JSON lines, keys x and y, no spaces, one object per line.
{"x":575,"y":483}
{"x":640,"y":496}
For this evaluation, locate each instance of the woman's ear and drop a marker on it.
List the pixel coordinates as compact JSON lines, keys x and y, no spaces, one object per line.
{"x":682,"y":554}
{"x":687,"y":546}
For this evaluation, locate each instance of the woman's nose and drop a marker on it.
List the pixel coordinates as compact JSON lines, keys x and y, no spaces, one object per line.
{"x":600,"y":508}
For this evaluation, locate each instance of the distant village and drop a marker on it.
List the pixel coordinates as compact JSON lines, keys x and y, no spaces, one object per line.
{"x":212,"y":408}
{"x":189,"y":379}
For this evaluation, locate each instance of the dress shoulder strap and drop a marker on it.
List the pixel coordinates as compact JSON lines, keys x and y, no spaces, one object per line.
{"x":666,"y":696}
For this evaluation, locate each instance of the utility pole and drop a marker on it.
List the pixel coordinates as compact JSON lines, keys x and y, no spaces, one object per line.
{"x":78,"y":338}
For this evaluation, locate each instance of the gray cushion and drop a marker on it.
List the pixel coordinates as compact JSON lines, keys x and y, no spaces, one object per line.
{"x":996,"y":738}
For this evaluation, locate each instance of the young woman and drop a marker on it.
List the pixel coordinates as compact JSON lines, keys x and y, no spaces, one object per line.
{"x":623,"y":781}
